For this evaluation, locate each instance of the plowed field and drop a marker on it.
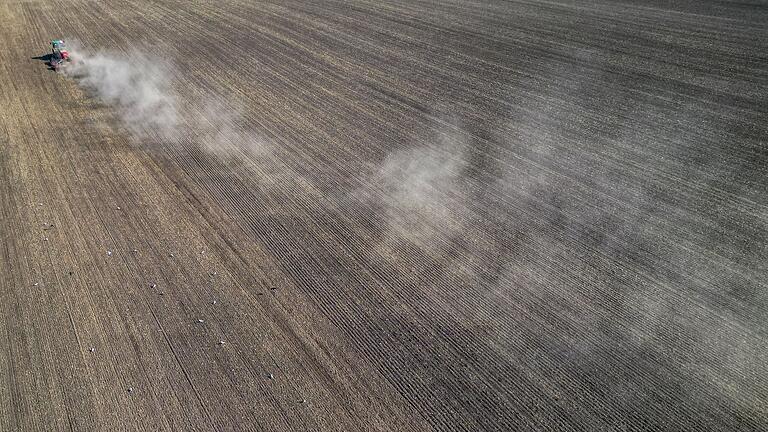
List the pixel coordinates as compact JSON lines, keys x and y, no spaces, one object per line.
{"x":391,"y":216}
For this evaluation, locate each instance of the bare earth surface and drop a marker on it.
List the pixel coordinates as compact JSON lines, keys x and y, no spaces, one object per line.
{"x":417,"y":215}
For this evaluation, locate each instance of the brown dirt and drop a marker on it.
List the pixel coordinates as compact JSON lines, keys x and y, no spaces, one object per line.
{"x":460,"y":216}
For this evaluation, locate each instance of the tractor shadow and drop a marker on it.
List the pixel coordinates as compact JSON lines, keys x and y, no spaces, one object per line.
{"x":46,"y":58}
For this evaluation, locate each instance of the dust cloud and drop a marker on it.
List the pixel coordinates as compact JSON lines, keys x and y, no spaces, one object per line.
{"x":141,"y":90}
{"x":421,"y":190}
{"x":563,"y":224}
{"x":552,"y":223}
{"x":137,"y":86}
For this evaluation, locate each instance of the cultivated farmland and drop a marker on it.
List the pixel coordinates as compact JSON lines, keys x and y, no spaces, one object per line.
{"x":386,"y":216}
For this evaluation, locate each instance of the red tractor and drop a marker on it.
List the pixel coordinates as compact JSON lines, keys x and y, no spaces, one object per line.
{"x":59,"y":54}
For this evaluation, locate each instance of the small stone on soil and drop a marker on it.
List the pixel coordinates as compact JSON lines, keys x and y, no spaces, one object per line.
{"x":91,"y":349}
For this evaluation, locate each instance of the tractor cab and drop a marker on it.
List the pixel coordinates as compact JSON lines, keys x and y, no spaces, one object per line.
{"x":59,"y":54}
{"x":59,"y":49}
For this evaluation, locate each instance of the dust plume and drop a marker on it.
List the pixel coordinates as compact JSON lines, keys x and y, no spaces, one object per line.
{"x":422,"y":189}
{"x":137,"y":86}
{"x":144,"y":92}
